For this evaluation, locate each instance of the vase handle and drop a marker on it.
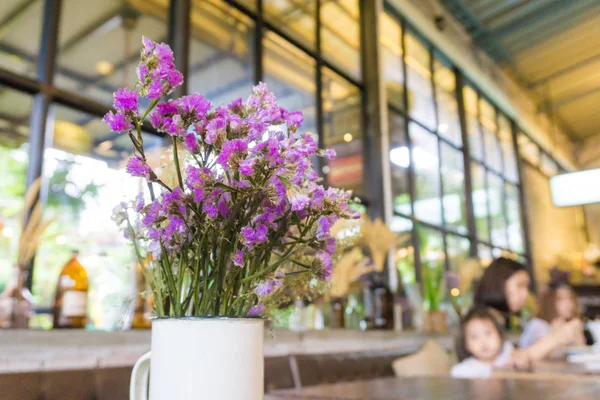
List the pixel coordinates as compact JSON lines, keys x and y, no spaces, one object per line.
{"x":138,"y":386}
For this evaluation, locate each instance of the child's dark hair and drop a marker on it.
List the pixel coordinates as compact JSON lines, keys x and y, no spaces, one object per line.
{"x":477,"y":312}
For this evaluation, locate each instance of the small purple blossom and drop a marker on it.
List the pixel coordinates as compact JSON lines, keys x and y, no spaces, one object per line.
{"x":232,"y":149}
{"x":139,"y":202}
{"x":329,"y":154}
{"x":325,"y":266}
{"x":136,"y":166}
{"x":323,"y":225}
{"x":254,"y":236}
{"x":190,"y":143}
{"x":126,"y":100}
{"x":299,"y":202}
{"x":247,"y":167}
{"x":117,"y":122}
{"x":256,"y":310}
{"x":238,"y":258}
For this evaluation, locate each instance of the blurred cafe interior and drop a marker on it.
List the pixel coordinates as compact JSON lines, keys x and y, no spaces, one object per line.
{"x":465,"y":129}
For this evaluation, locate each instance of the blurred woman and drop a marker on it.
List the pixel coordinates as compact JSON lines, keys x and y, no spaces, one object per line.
{"x":557,"y":306}
{"x":504,"y":288}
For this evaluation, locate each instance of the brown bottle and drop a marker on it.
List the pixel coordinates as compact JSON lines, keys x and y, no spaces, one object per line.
{"x":70,"y":302}
{"x":141,"y":313}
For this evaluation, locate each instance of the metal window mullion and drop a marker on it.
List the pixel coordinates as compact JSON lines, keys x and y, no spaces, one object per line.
{"x":371,"y":105}
{"x":439,"y":149}
{"x":259,"y":24}
{"x":411,"y":166}
{"x":466,"y":153}
{"x":42,"y":117}
{"x":179,"y":39}
{"x":523,"y":213}
{"x":321,"y":162}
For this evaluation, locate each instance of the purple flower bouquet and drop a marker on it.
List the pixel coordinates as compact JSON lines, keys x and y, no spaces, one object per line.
{"x":247,"y":205}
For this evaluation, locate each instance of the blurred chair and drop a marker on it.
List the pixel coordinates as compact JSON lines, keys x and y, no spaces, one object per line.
{"x":431,"y":360}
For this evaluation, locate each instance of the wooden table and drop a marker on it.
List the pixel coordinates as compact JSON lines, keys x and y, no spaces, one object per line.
{"x":435,"y":388}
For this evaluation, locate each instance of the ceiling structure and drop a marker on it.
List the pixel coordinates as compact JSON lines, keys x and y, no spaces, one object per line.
{"x":551,"y":46}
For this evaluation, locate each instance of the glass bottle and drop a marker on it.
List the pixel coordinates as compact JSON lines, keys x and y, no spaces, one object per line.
{"x":353,"y":312}
{"x":142,"y":310}
{"x":70,"y":302}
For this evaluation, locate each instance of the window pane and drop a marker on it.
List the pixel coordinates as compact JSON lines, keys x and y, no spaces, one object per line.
{"x":513,"y":213}
{"x":471,"y":112}
{"x":86,"y":178}
{"x":20,"y":35}
{"x":291,"y":75}
{"x":100,"y":43}
{"x":221,"y":56}
{"x":342,"y":117}
{"x":480,"y":200}
{"x":548,"y":166}
{"x":15,"y":108}
{"x":420,"y":92}
{"x":296,"y":18}
{"x":445,"y":90}
{"x":458,"y":251}
{"x":340,"y":35}
{"x":496,"y":196}
{"x":453,"y":178}
{"x":508,"y":151}
{"x":489,"y":128}
{"x":427,"y":178}
{"x":399,"y":162}
{"x":528,"y":150}
{"x":391,"y":49}
{"x":404,"y":255}
{"x":432,"y":262}
{"x":485,"y":254}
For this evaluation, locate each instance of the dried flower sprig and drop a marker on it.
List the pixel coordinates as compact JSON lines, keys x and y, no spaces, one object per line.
{"x":32,"y":226}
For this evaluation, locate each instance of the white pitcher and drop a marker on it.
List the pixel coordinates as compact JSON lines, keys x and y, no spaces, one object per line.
{"x":202,"y":358}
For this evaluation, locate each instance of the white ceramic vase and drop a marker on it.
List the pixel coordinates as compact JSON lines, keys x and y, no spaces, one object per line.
{"x":202,"y":358}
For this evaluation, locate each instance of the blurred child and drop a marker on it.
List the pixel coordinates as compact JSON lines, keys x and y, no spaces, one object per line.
{"x":558,"y":307}
{"x":482,"y":346}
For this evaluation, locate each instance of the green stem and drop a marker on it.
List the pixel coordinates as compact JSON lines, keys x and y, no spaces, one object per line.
{"x":176,"y":158}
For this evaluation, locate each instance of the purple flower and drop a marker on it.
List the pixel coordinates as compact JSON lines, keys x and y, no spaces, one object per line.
{"x":232,"y":149}
{"x":136,"y":166}
{"x":117,"y":122}
{"x":126,"y":100}
{"x":155,"y":90}
{"x":256,"y":310}
{"x":174,"y":78}
{"x":254,"y":236}
{"x":238,"y":259}
{"x":236,"y":105}
{"x":323,"y":225}
{"x":190,"y":143}
{"x":210,"y":210}
{"x":330,"y":245}
{"x":325,"y":266}
{"x":215,"y":129}
{"x":299,"y":202}
{"x":247,"y":167}
{"x":294,"y":120}
{"x":329,"y":154}
{"x":223,"y":205}
{"x":139,"y":202}
{"x":264,"y":288}
{"x":194,"y":103}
